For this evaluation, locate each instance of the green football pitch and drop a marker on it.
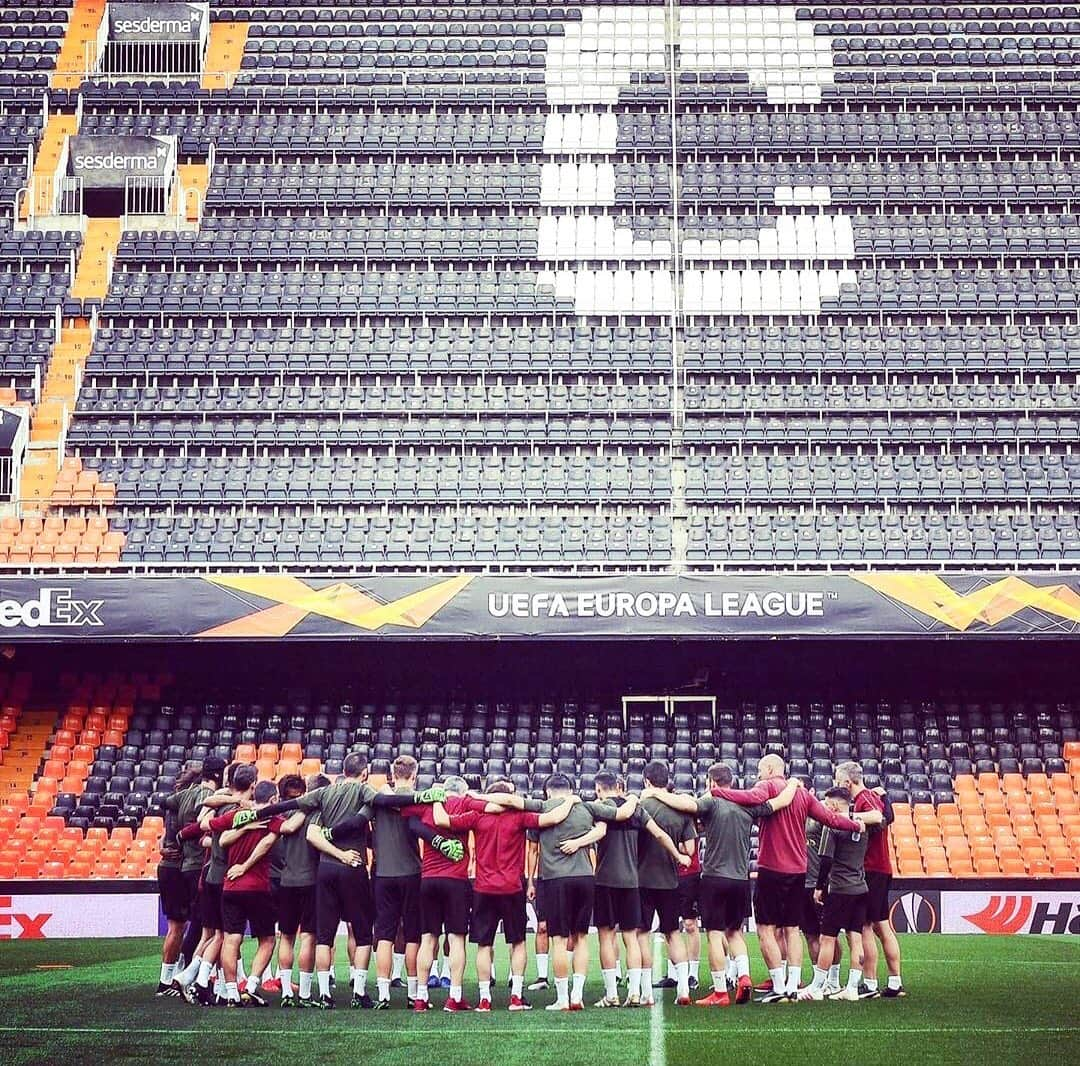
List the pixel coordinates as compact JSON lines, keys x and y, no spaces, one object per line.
{"x":971,"y":1000}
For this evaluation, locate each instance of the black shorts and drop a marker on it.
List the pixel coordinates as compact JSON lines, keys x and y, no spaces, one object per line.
{"x":397,"y":902}
{"x":210,"y":905}
{"x":663,"y":904}
{"x":617,"y":907}
{"x":843,"y":912}
{"x":569,"y":903}
{"x":242,"y":909}
{"x":725,"y":902}
{"x":690,"y":896}
{"x":174,"y":893}
{"x":877,"y":902}
{"x":191,"y":880}
{"x":295,"y":908}
{"x":342,"y":894}
{"x":445,"y":904}
{"x":539,"y":902}
{"x":778,"y":898}
{"x":810,"y":924}
{"x":490,"y":909}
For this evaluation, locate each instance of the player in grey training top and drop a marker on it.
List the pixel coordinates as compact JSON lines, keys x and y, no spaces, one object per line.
{"x":725,"y":877}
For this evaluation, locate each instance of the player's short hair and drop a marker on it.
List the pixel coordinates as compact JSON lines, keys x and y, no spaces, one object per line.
{"x":291,"y":786}
{"x":213,"y":769}
{"x":558,"y":783}
{"x":355,"y":764}
{"x":720,"y":774}
{"x":264,"y":792}
{"x":606,"y":779}
{"x":403,"y":767}
{"x":187,"y":778}
{"x":850,"y":771}
{"x":838,"y":794}
{"x":456,"y":786}
{"x":243,"y":776}
{"x":500,"y":785}
{"x":656,"y":773}
{"x":315,"y":781}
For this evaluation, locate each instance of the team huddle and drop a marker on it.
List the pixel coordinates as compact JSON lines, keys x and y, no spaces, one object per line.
{"x":409,"y":872}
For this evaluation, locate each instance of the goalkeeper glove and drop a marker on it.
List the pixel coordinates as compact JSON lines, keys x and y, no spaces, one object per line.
{"x":450,"y":849}
{"x":431,"y":795}
{"x":242,"y":818}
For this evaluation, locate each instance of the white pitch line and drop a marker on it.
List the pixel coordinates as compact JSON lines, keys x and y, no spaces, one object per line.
{"x":570,"y":1027}
{"x":657,"y":1051}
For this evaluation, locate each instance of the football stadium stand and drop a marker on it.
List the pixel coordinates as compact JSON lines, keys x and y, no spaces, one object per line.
{"x":674,"y":287}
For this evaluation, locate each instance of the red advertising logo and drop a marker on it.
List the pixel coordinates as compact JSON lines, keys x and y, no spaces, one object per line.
{"x":1002,"y":915}
{"x":30,"y":926}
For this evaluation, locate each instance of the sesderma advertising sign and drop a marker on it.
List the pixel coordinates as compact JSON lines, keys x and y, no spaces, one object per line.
{"x":106,"y":162}
{"x":157,"y":22}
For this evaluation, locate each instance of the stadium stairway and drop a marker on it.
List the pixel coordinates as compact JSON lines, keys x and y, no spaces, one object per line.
{"x":46,"y":160}
{"x":82,"y":30}
{"x":224,"y":54}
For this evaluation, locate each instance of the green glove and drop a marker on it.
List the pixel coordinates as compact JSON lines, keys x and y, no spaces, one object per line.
{"x":242,"y":818}
{"x":450,"y":849}
{"x":432,"y":795}
{"x":328,"y":833}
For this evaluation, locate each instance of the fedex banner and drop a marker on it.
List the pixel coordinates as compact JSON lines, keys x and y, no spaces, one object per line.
{"x":524,"y":606}
{"x":107,"y":161}
{"x":30,"y":916}
{"x":157,"y":22}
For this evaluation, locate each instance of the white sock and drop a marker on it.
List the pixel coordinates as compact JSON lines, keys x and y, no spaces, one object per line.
{"x":305,"y":985}
{"x":682,"y":978}
{"x":820,"y":977}
{"x":542,"y":966}
{"x":671,"y":971}
{"x":455,"y":992}
{"x":168,"y":971}
{"x":578,"y":989}
{"x":494,"y":973}
{"x":359,"y":984}
{"x":517,"y":985}
{"x":695,"y":967}
{"x":618,"y":969}
{"x":398,"y":966}
{"x":421,"y":993}
{"x":253,"y":982}
{"x":742,"y":966}
{"x":205,"y":970}
{"x":444,"y":973}
{"x":610,"y":989}
{"x":793,"y":976}
{"x":324,"y":982}
{"x":719,"y":980}
{"x":633,"y":987}
{"x":285,"y":977}
{"x":191,"y":971}
{"x":352,"y":973}
{"x":853,"y":979}
{"x":730,"y":973}
{"x":383,"y":984}
{"x":834,"y":974}
{"x":241,"y":975}
{"x":232,"y":992}
{"x":779,"y":979}
{"x":410,"y":986}
{"x":219,"y":983}
{"x":485,"y":990}
{"x":871,"y":983}
{"x":562,"y":991}
{"x":895,"y":982}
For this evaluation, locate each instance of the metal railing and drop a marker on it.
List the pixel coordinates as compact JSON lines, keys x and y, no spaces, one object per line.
{"x":147,"y":195}
{"x":156,"y":60}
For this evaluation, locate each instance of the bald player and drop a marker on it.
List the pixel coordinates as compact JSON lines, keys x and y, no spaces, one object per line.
{"x":778,"y":898}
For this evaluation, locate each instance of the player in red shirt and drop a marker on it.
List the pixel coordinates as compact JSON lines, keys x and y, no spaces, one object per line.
{"x":245,"y":895}
{"x":849,"y":775}
{"x":499,"y":832}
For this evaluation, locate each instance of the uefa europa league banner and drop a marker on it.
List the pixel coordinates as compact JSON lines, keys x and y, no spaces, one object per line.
{"x":279,"y":606}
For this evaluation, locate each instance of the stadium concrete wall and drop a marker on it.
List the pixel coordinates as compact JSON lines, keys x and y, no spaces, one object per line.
{"x":38,"y":910}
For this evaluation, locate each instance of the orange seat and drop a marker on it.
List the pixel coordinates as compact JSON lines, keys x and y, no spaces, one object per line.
{"x":292,"y":751}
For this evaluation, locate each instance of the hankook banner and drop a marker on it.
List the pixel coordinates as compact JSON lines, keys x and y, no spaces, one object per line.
{"x":277,"y":606}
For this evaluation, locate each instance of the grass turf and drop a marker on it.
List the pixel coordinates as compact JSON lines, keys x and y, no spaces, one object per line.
{"x":971,"y":999}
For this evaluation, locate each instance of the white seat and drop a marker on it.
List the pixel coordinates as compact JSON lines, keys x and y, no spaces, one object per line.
{"x":692,"y":290}
{"x":546,"y":236}
{"x":789,"y":291}
{"x":809,"y":292}
{"x":804,"y":236}
{"x":823,"y":237}
{"x":585,"y":295}
{"x":729,"y":248}
{"x":730,"y":291}
{"x":710,"y":248}
{"x":603,"y":291}
{"x":844,"y":237}
{"x":553,"y":131}
{"x":623,"y":282}
{"x":605,"y":236}
{"x":769,"y":243}
{"x":590,"y":133}
{"x":748,"y":248}
{"x":571,"y":134}
{"x":609,"y":133}
{"x":564,"y":237}
{"x":691,"y":248}
{"x":568,"y":183}
{"x":642,"y":292}
{"x":663,"y":294}
{"x":624,"y":242}
{"x":787,"y":241}
{"x":828,"y":285}
{"x":767,"y":297}
{"x":566,"y":285}
{"x":550,"y":176}
{"x":605,"y":183}
{"x":585,"y":237}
